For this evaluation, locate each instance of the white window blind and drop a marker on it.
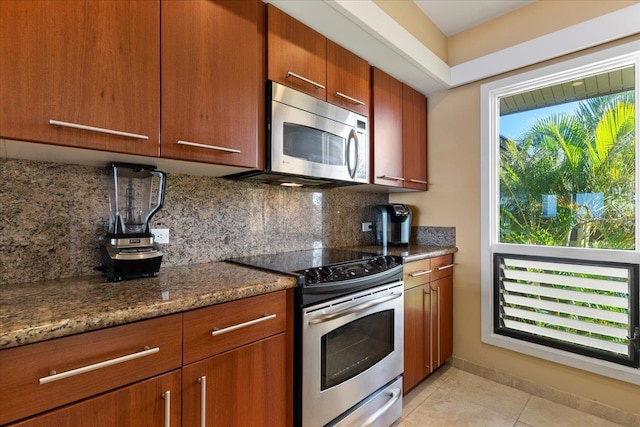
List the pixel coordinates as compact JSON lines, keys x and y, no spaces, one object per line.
{"x":589,"y":308}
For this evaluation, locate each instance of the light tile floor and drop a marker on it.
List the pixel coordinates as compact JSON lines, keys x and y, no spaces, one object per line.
{"x":455,"y":398}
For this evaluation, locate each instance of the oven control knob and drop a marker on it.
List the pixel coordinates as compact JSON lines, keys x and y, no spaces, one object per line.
{"x":380,"y":262}
{"x":327,"y":273}
{"x":312,"y":275}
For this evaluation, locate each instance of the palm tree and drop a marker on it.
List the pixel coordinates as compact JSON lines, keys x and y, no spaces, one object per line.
{"x":586,"y":163}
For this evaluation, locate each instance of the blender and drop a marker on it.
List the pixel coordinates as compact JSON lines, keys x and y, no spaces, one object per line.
{"x":128,"y":250}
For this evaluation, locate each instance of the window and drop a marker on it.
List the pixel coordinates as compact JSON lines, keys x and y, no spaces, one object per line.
{"x":560,"y":212}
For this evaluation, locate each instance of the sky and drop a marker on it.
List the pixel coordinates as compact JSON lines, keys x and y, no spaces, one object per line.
{"x":514,"y":125}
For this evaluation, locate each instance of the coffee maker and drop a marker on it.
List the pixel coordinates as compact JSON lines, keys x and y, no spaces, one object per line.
{"x":393,"y":225}
{"x":136,"y":194}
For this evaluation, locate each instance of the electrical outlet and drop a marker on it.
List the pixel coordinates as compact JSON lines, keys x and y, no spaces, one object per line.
{"x":366,"y":226}
{"x":160,"y":235}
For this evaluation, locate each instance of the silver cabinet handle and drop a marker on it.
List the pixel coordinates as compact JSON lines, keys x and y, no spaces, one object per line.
{"x":209,"y":147}
{"x":391,"y":178}
{"x":418,"y":181}
{"x":420,"y":273}
{"x":203,"y":400}
{"x":353,"y":309}
{"x":348,"y":98}
{"x":97,"y":129}
{"x":437,"y":290}
{"x":167,"y":408}
{"x":55,"y":376}
{"x":243,"y":325}
{"x":445,"y":267}
{"x":394,"y":395}
{"x":304,"y":79}
{"x":427,"y":291}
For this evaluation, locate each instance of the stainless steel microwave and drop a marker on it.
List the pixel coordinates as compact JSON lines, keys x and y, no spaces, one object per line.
{"x":311,"y":142}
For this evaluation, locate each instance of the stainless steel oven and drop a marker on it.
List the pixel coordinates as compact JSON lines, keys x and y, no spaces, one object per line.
{"x":349,"y":335}
{"x":351,"y":352}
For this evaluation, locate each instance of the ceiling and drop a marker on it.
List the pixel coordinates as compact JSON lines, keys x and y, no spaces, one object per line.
{"x":362,"y":27}
{"x":455,"y":16}
{"x":607,"y":83}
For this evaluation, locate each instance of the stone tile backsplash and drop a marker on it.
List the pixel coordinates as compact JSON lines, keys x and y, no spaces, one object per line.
{"x":53,"y":215}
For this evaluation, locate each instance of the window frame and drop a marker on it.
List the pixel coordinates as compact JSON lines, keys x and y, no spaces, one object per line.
{"x":490,"y":94}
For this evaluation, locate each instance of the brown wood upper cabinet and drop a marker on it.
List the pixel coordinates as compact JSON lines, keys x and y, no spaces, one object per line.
{"x":302,"y":58}
{"x":213,"y":81}
{"x":399,"y":133}
{"x":81,"y":73}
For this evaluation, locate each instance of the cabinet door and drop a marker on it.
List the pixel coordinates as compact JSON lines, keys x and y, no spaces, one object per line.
{"x":242,"y":387}
{"x":81,"y":63}
{"x":416,"y":336}
{"x":213,"y":81}
{"x":414,"y":138}
{"x":442,"y":320}
{"x":147,"y":403}
{"x":297,"y":55}
{"x":348,"y":79}
{"x":387,"y":130}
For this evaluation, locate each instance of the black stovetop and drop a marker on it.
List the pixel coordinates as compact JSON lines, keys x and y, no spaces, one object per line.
{"x":298,"y":261}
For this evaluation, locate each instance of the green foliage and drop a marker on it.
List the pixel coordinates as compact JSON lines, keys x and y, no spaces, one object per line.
{"x":591,"y":151}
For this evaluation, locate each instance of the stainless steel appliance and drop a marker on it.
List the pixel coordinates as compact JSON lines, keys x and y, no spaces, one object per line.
{"x":311,"y":142}
{"x":393,"y":225}
{"x":349,"y":337}
{"x":129,"y":250}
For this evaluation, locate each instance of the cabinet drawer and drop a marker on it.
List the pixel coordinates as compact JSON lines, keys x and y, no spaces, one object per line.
{"x":441,"y":266}
{"x":152,"y":402}
{"x":417,"y":273}
{"x":85,"y":365}
{"x":213,"y":330}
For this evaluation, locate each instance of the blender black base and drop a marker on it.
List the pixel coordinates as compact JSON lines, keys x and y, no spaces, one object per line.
{"x":116,"y":270}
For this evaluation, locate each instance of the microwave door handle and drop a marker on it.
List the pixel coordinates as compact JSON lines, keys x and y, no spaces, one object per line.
{"x":353,"y":138}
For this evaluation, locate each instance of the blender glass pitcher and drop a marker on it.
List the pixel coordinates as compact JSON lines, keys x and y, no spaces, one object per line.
{"x":137,"y":194}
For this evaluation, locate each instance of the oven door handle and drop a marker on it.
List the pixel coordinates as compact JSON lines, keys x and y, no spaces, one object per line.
{"x":353,"y":309}
{"x":394,"y":395}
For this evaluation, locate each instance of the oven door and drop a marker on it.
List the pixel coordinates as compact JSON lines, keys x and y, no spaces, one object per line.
{"x":307,"y":144}
{"x":351,"y":347}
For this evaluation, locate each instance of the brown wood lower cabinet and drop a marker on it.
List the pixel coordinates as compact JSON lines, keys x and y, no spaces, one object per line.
{"x":228,"y":363}
{"x":242,"y":387}
{"x":153,"y":402}
{"x":428,"y":319}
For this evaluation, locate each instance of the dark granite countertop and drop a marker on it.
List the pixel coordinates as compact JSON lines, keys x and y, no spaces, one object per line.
{"x":33,"y":312}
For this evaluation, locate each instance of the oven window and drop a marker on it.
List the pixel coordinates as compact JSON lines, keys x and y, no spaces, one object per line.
{"x":314,"y":145}
{"x":355,"y":347}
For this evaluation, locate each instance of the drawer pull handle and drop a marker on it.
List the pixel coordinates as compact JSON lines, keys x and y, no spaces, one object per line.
{"x":391,"y":178}
{"x":304,"y":79}
{"x":209,"y":147}
{"x":348,"y":98}
{"x":420,"y":273}
{"x":445,"y":267}
{"x":264,"y":318}
{"x":55,"y":376}
{"x":203,"y":401}
{"x":167,"y":408}
{"x":394,"y":395}
{"x":97,"y":129}
{"x":418,"y":181}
